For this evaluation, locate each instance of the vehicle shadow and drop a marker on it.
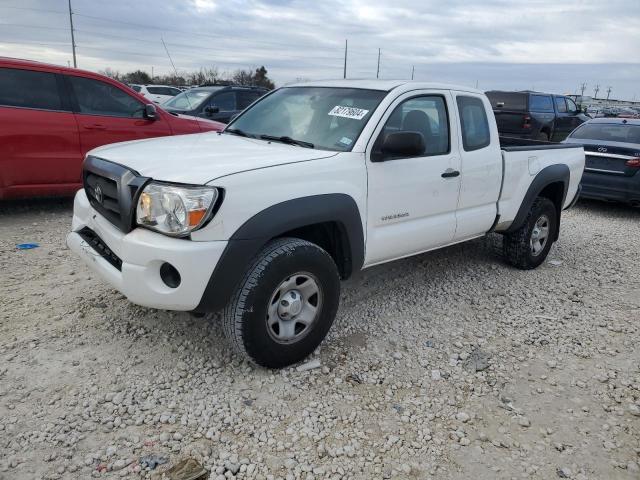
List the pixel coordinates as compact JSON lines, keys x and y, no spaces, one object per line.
{"x":43,"y":205}
{"x":608,"y":209}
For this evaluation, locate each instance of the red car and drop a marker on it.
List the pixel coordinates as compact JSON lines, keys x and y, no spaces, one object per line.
{"x":51,"y":116}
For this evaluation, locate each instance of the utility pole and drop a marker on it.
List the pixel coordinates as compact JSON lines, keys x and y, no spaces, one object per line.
{"x":608,"y":92}
{"x":344,"y":75}
{"x":73,"y":40}
{"x":413,"y":70}
{"x":595,"y":91}
{"x":378,"y":71}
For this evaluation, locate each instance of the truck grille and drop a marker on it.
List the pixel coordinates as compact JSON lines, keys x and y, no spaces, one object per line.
{"x":112,"y":190}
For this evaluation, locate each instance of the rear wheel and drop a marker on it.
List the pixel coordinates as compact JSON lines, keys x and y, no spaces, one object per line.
{"x":527,"y":247}
{"x":285,"y":304}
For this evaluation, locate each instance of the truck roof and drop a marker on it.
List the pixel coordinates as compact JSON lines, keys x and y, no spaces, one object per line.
{"x":384,"y":85}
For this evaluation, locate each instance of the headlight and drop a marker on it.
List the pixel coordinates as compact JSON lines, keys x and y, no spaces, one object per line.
{"x":175,"y":210}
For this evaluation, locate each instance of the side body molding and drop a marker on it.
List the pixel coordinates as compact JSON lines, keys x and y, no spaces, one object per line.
{"x":553,"y":174}
{"x":273,"y":222}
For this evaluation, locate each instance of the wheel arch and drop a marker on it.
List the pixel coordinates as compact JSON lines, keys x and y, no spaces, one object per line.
{"x":332,"y":221}
{"x":551,"y":182}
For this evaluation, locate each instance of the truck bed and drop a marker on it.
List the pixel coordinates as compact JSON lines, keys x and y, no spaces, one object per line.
{"x":515,"y":144}
{"x":523,"y":160}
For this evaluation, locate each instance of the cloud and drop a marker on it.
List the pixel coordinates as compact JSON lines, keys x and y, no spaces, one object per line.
{"x":500,"y":43}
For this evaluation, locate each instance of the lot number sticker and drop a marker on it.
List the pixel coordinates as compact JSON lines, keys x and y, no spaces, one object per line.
{"x":348,"y":112}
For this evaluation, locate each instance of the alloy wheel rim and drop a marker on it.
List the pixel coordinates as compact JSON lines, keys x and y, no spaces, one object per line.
{"x":294,"y":308}
{"x":539,"y":235}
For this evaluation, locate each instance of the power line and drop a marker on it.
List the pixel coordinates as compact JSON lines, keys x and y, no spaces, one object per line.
{"x":33,"y":9}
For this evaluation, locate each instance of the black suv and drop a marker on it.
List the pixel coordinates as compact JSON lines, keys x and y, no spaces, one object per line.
{"x":535,"y":115}
{"x":219,"y":102}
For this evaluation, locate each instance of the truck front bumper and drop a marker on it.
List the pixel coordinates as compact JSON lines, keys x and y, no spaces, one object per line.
{"x":132,"y":262}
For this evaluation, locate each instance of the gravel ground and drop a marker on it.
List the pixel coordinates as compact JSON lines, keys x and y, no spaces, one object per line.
{"x":446,"y":365}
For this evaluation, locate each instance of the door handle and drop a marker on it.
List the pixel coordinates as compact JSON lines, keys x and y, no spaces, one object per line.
{"x":95,"y":127}
{"x":450,"y":173}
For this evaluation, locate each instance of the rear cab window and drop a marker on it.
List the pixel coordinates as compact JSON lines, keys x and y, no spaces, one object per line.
{"x":508,"y":101}
{"x":30,"y":89}
{"x":473,"y":122}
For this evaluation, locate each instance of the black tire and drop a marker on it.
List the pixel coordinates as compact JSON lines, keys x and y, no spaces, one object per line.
{"x":543,"y":136}
{"x":517,"y":245}
{"x":245,"y":317}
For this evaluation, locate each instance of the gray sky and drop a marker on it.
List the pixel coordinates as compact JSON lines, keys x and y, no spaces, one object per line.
{"x":541,"y":44}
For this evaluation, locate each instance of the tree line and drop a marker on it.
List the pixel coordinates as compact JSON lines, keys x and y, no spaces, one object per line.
{"x":204,"y":76}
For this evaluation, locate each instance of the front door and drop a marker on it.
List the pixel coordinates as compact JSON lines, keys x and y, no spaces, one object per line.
{"x":107,"y":114}
{"x":412,"y":200}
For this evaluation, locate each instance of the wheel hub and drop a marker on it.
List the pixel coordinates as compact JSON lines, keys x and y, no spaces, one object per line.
{"x":290,"y":305}
{"x":539,"y":235}
{"x":294,"y":307}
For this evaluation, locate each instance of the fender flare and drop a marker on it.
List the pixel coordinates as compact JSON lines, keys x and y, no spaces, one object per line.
{"x":272,"y":222}
{"x":548,"y":175}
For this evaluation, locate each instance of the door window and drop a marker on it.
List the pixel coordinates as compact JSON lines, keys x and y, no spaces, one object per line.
{"x":225,"y":101}
{"x":474,"y":123}
{"x":426,"y":115}
{"x":99,"y":98}
{"x":29,"y":89}
{"x":172,"y":92}
{"x":561,"y":105}
{"x":571,"y":106}
{"x":246,"y":98}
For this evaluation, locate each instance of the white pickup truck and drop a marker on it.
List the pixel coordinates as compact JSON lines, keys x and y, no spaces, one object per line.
{"x":310,"y":184}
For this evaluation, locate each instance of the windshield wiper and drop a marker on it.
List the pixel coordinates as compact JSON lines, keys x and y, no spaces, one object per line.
{"x":237,"y":131}
{"x":288,"y":140}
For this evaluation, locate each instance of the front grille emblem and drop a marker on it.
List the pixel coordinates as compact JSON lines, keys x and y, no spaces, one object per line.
{"x":97,"y":193}
{"x":602,"y":149}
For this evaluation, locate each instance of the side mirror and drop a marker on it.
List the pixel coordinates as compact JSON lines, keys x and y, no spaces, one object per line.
{"x":210,"y":110}
{"x":150,"y":111}
{"x":401,"y":144}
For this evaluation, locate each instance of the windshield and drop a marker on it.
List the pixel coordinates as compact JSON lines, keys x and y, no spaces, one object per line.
{"x":321,"y":117}
{"x":608,"y":132}
{"x":188,"y":100}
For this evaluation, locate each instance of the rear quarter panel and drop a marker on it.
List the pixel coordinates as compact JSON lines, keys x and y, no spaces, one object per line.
{"x":521,"y":167}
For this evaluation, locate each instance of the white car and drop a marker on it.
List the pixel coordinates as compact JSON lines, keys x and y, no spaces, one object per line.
{"x":157,"y":93}
{"x":307,"y":186}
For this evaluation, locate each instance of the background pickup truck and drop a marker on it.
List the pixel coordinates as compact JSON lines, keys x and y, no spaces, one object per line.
{"x":534,"y":115}
{"x":306,"y":187}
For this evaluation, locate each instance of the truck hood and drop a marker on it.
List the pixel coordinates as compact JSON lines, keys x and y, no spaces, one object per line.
{"x":200,"y":158}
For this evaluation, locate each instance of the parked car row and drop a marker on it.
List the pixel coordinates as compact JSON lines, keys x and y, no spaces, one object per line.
{"x":157,"y":93}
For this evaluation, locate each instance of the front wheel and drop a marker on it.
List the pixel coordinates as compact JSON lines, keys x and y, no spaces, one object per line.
{"x":285,"y":304}
{"x":527,"y":247}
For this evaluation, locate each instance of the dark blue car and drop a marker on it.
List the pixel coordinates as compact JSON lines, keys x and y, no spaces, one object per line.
{"x":612,"y":168}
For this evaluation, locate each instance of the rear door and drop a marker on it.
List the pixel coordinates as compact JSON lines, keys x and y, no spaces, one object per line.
{"x":481,"y":166}
{"x":39,"y":142}
{"x":247,"y":97}
{"x":108,"y":114}
{"x":412,"y":200}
